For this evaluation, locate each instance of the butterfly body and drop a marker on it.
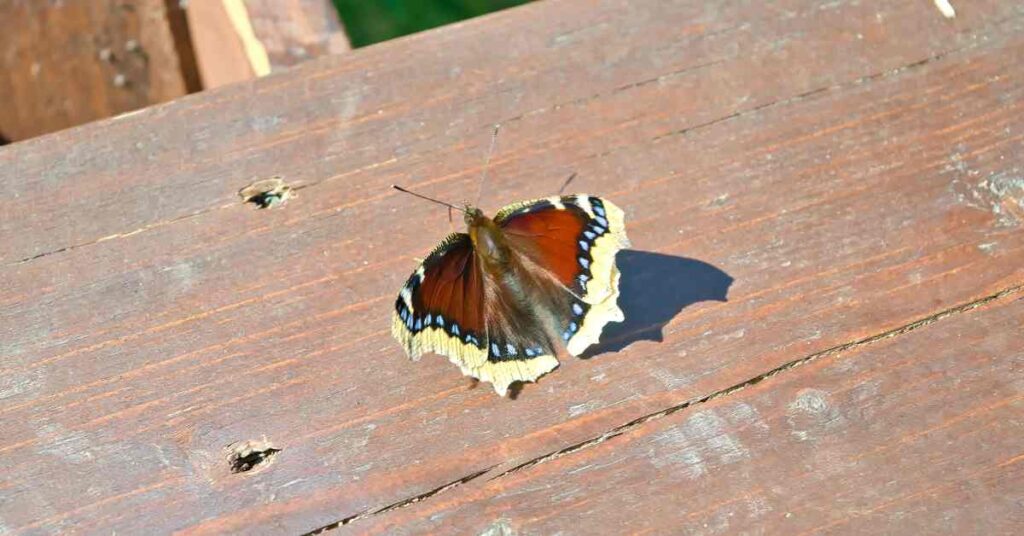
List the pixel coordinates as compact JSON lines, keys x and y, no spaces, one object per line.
{"x":495,"y":299}
{"x":488,"y":240}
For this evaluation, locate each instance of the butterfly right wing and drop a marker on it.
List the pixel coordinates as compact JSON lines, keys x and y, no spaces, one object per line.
{"x":575,"y":239}
{"x":441,"y":307}
{"x":518,"y":346}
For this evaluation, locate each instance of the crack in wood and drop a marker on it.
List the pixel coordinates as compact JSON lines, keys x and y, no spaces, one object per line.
{"x":895,"y":71}
{"x":635,"y":423}
{"x":829,"y":352}
{"x":144,"y":228}
{"x":401,"y":504}
{"x":147,"y":227}
{"x":625,"y":87}
{"x":740,"y":113}
{"x":824,"y":89}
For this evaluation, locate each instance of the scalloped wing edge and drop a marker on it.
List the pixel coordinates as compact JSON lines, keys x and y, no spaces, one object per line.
{"x":602,"y":290}
{"x":471,"y":360}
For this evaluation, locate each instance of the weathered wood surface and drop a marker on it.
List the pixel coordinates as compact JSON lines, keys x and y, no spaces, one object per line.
{"x":67,"y":63}
{"x":875,"y":439}
{"x":295,"y":31}
{"x":797,"y":176}
{"x":226,"y":50}
{"x":238,"y":40}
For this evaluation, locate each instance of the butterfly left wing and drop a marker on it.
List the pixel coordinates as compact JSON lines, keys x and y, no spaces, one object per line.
{"x":574,"y":239}
{"x":450,"y":306}
{"x":440,"y":308}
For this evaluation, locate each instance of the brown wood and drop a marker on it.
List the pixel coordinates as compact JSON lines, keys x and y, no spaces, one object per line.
{"x":222,"y":55}
{"x":236,"y":40}
{"x":68,"y":63}
{"x":835,"y":172}
{"x":294,"y":31}
{"x":877,"y":439}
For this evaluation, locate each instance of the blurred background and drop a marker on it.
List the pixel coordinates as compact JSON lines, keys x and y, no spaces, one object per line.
{"x":64,"y":64}
{"x":372,"y":21}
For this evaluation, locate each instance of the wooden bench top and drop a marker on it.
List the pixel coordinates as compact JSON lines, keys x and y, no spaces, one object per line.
{"x":823,"y":299}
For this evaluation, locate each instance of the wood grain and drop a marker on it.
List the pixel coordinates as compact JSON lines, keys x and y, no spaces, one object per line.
{"x":226,"y":50}
{"x":796,"y":178}
{"x":235,"y":40}
{"x":366,"y":112}
{"x":295,"y":31}
{"x":881,"y":438}
{"x":68,"y":63}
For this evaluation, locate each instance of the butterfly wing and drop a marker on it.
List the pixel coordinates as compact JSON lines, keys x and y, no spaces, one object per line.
{"x":441,"y":307}
{"x":518,"y":345}
{"x":451,"y":306}
{"x":574,"y":239}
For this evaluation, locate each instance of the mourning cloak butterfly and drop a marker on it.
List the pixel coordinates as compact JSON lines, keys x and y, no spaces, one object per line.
{"x":495,"y":299}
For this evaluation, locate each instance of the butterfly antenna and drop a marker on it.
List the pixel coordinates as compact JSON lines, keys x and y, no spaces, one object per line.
{"x":487,"y":162}
{"x":431,"y":199}
{"x":566,"y":183}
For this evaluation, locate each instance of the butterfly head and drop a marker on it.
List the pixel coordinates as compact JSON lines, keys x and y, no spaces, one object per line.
{"x":488,"y":240}
{"x":473,"y":215}
{"x":487,"y":237}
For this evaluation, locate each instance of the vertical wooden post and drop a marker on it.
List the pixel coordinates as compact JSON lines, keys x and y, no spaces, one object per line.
{"x":236,"y":40}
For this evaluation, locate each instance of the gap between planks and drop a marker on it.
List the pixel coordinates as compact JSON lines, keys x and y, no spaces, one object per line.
{"x":640,"y":421}
{"x":896,"y":71}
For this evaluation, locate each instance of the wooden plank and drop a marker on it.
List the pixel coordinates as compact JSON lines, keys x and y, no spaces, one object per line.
{"x":295,"y":31}
{"x":238,"y":40}
{"x":68,"y":63}
{"x":916,"y":434}
{"x":226,"y":49}
{"x":745,"y":57}
{"x":823,"y":213}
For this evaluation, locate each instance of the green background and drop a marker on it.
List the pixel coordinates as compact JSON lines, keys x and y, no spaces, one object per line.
{"x":372,"y":21}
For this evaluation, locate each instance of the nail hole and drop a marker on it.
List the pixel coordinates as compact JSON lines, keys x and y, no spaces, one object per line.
{"x":267,"y":193}
{"x":247,"y":456}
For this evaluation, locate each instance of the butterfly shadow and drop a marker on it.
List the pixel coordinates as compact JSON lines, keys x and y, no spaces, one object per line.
{"x":654,"y":288}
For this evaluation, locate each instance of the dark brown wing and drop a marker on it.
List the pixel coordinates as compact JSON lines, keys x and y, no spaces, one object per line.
{"x":441,"y":307}
{"x":574,"y":239}
{"x":450,"y":306}
{"x":519,"y":347}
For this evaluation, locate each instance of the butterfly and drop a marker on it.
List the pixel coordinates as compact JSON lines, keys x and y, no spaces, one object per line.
{"x":495,"y":299}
